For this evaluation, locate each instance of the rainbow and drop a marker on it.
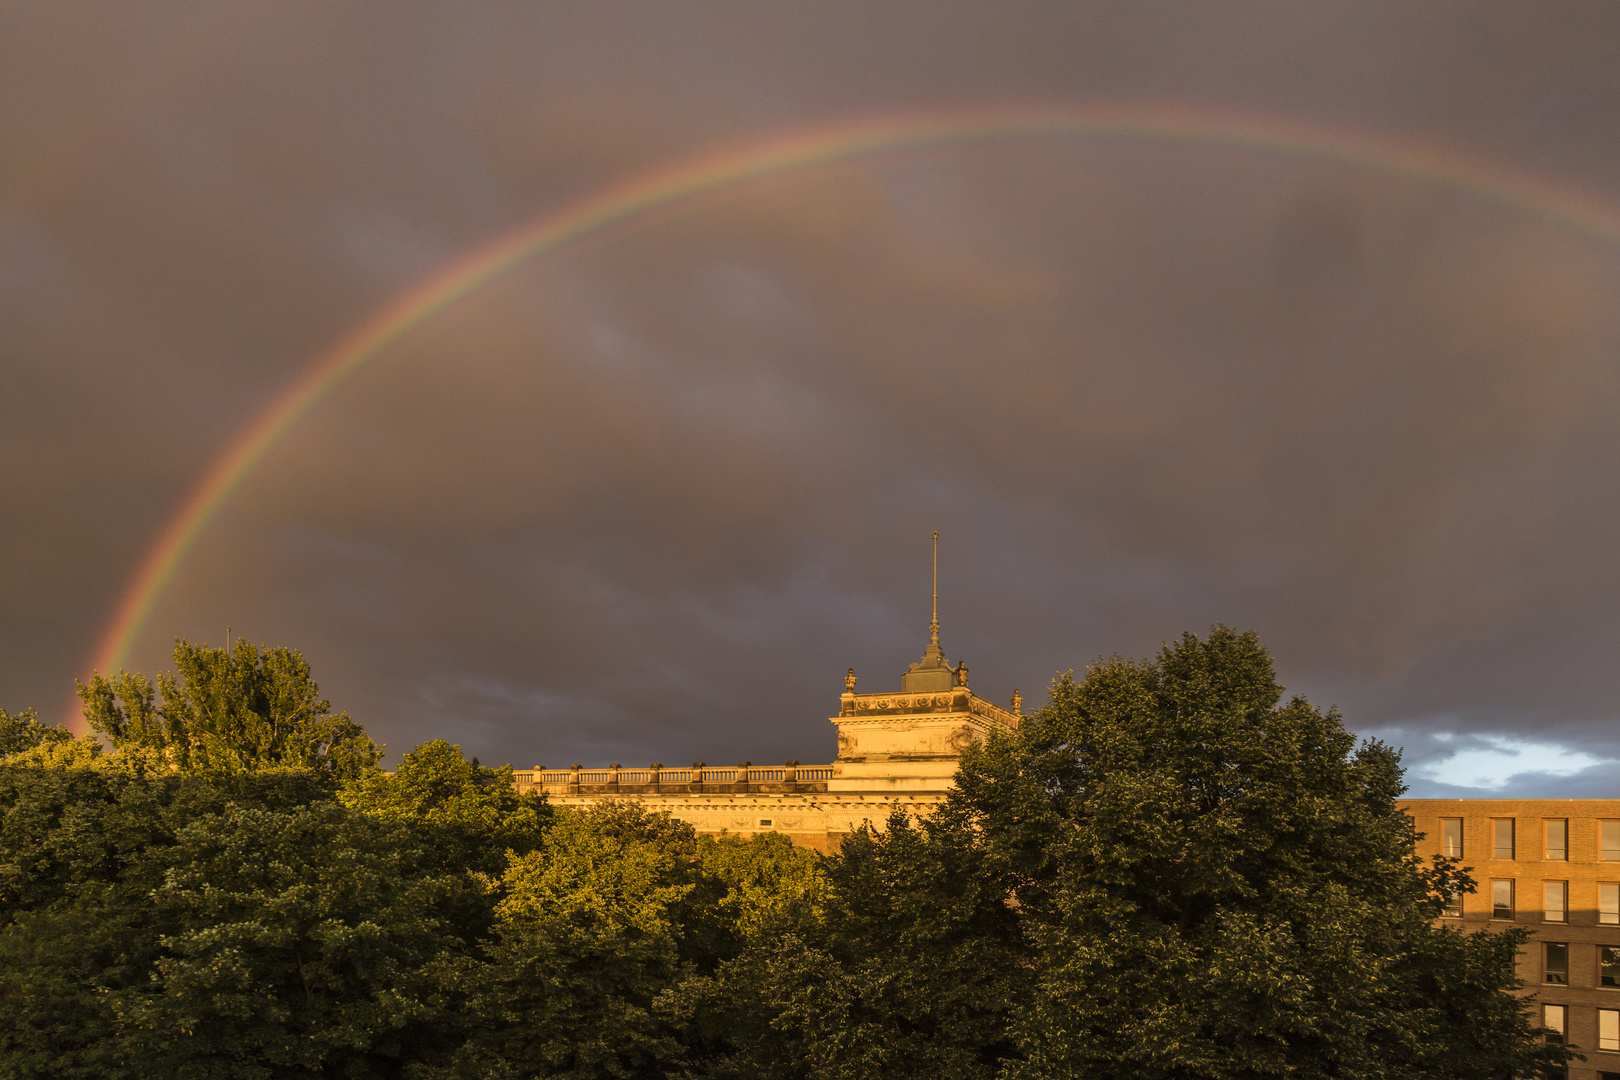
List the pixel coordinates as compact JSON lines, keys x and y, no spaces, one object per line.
{"x":708,"y":173}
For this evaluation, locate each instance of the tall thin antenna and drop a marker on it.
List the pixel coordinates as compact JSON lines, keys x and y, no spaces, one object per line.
{"x":933,"y":625}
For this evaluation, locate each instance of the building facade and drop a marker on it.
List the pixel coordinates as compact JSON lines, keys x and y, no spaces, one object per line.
{"x":1550,"y":865}
{"x":1553,"y":866}
{"x":896,"y":751}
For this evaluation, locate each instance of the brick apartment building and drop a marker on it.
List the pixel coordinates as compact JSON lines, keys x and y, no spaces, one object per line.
{"x":1552,"y":865}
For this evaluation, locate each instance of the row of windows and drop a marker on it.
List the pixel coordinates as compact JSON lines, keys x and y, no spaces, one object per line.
{"x":1554,"y":839}
{"x":1555,"y":1018}
{"x":1554,"y":901}
{"x":1555,"y":964}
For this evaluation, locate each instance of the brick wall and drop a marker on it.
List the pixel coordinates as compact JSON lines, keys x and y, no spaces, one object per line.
{"x":1583,"y":931}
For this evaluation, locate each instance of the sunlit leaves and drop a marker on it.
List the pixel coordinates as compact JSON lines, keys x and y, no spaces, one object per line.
{"x":229,"y":711}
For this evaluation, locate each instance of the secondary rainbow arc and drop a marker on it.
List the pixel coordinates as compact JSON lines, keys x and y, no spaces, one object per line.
{"x":1441,"y":166}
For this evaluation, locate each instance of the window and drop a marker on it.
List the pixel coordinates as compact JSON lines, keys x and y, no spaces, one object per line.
{"x":1609,"y":1029}
{"x":1451,"y":837}
{"x":1453,"y":908}
{"x":1609,"y":903}
{"x":1609,"y":831}
{"x":1552,"y":1018}
{"x":1557,"y":849}
{"x":1555,"y":963}
{"x":1609,"y":966}
{"x":1501,"y":899}
{"x":1502,"y":838}
{"x":1556,"y":907}
{"x":765,"y":822}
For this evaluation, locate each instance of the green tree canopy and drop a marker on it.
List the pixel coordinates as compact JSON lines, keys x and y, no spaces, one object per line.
{"x":84,"y":849}
{"x":761,"y":877}
{"x":300,"y":943}
{"x":25,"y":731}
{"x":902,"y":961}
{"x":229,"y":711}
{"x":1215,"y":882}
{"x":472,"y":812}
{"x":591,"y":928}
{"x":1167,"y":873}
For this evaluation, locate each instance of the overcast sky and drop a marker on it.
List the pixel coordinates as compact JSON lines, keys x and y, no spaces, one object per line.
{"x":647,"y":497}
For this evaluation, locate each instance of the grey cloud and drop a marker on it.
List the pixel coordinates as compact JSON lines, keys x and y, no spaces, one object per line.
{"x":650,"y":497}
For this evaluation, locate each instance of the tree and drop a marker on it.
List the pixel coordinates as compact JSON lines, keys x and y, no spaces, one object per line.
{"x":25,"y":731}
{"x":590,"y":930}
{"x":1217,"y":884}
{"x":471,"y":814}
{"x":901,"y":961}
{"x":229,"y":711}
{"x":1167,"y":872}
{"x":300,"y":943}
{"x":761,"y":877}
{"x":84,"y":848}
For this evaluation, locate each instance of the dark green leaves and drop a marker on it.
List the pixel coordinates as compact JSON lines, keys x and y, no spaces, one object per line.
{"x":297,"y":942}
{"x":1168,"y":872}
{"x":1214,"y":882}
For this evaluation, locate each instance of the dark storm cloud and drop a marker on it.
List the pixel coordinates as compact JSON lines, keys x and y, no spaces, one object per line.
{"x":649,"y":498}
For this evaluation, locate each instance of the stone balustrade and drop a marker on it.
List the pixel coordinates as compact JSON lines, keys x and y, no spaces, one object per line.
{"x":656,"y":779}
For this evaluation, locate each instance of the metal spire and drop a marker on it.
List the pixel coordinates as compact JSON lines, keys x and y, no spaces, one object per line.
{"x":933,"y":624}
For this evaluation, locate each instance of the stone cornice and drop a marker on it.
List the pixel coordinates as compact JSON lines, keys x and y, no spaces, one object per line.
{"x":958,"y":700}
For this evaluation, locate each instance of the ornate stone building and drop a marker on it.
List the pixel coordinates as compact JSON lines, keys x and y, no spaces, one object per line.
{"x":1551,"y":866}
{"x":895,"y":750}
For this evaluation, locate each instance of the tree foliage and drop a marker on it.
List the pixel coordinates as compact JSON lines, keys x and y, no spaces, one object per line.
{"x":300,"y":942}
{"x":84,"y":849}
{"x":761,"y":876}
{"x":588,"y":933}
{"x":1215,"y":882}
{"x":901,"y":961}
{"x":470,"y":813}
{"x":1169,"y":871}
{"x":27,"y":740}
{"x":229,"y":711}
{"x":25,"y":731}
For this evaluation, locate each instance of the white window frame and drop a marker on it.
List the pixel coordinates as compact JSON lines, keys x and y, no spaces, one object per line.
{"x":1609,"y":1029}
{"x":1550,"y":853}
{"x":1496,"y":891}
{"x":1601,"y":983}
{"x":1547,"y":970}
{"x":1512,"y":839}
{"x":1451,"y":847}
{"x":1551,"y":891}
{"x":1555,"y":1018}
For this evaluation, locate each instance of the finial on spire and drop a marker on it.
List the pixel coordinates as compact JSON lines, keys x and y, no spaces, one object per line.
{"x":933,"y":673}
{"x":933,"y":623}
